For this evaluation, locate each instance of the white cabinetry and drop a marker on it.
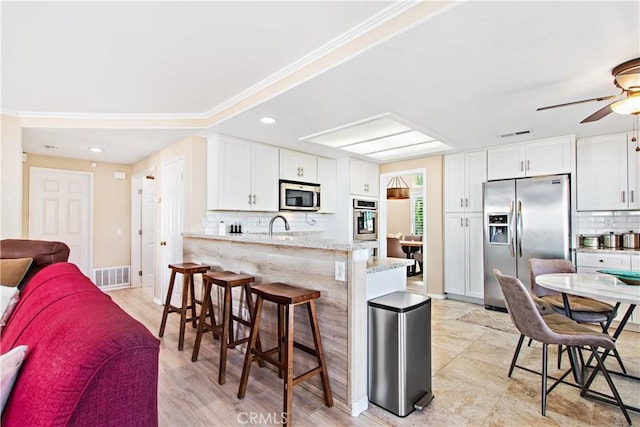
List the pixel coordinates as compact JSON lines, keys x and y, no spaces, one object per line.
{"x":543,"y":157}
{"x":463,"y":264}
{"x":587,"y":262}
{"x":241,"y":175}
{"x":607,"y":173}
{"x":464,"y":175}
{"x":364,"y":178}
{"x":297,"y":166}
{"x":327,"y":178}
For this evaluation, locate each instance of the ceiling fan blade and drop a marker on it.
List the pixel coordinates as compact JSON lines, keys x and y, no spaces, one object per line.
{"x":602,"y":98}
{"x":604,"y":111}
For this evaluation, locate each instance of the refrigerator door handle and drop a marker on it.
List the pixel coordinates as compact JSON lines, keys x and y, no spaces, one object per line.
{"x":519,"y":238}
{"x":511,"y":250}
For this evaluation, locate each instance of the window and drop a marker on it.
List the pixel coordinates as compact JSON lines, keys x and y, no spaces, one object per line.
{"x":417,"y":213}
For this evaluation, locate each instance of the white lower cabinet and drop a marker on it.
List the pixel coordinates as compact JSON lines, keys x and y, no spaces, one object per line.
{"x":591,"y":262}
{"x":463,"y":263}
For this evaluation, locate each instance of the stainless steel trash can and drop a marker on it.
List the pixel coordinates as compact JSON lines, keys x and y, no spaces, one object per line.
{"x":399,"y":346}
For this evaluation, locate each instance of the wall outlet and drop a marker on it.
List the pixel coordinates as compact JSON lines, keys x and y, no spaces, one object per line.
{"x":340,"y":273}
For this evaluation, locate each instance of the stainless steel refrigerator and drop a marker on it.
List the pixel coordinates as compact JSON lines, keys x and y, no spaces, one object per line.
{"x":523,"y":218}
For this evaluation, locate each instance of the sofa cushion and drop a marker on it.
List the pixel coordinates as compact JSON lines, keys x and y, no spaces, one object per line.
{"x":10,"y":363}
{"x":12,"y":271}
{"x":9,"y":296}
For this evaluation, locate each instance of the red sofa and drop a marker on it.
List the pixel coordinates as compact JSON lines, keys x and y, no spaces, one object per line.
{"x":88,"y":362}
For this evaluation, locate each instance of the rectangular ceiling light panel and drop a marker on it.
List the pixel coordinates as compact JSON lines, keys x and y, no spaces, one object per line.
{"x":363,"y":131}
{"x":390,"y":142}
{"x":382,"y":138}
{"x":413,"y":150}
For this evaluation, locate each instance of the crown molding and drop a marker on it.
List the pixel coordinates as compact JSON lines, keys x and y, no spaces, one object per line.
{"x":377,"y":20}
{"x":308,"y":66}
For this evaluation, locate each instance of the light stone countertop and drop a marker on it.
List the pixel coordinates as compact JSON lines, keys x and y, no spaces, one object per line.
{"x":311,"y":240}
{"x":376,"y":265}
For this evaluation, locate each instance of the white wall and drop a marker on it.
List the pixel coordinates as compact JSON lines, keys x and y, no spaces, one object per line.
{"x":10,"y":177}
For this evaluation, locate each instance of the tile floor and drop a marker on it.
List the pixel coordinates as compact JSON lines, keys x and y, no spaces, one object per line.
{"x":470,"y":383}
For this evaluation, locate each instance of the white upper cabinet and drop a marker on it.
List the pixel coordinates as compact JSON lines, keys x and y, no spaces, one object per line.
{"x":364,"y":178}
{"x":241,"y":175}
{"x":297,"y":166}
{"x":607,"y":173}
{"x":327,"y":178}
{"x":544,"y":157}
{"x":464,"y":175}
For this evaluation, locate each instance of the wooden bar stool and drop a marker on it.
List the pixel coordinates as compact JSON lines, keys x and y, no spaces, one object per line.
{"x":228,"y":280}
{"x":187,"y":270}
{"x":287,"y":297}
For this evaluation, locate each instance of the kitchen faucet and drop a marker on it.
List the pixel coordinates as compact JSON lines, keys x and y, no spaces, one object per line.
{"x":286,"y":224}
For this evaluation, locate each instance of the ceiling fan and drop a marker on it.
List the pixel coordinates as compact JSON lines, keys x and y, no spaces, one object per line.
{"x":626,"y":77}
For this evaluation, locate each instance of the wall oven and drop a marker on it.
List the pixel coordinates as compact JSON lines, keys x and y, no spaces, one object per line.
{"x":365,"y":220}
{"x":299,"y":196}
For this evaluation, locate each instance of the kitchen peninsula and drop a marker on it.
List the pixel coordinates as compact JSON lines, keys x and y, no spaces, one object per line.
{"x":338,"y":269}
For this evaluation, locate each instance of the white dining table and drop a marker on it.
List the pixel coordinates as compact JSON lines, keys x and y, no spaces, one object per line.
{"x":602,"y":287}
{"x":593,"y":285}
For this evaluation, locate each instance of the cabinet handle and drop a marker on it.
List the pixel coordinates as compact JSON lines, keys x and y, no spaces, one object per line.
{"x":466,"y":220}
{"x":521,"y":166}
{"x":461,"y":202}
{"x":623,"y":198}
{"x":163,"y":243}
{"x":527,"y":164}
{"x":600,"y":260}
{"x":301,"y":171}
{"x":631,"y":195}
{"x":254,"y":199}
{"x":466,"y":202}
{"x":461,"y":222}
{"x":249,"y":198}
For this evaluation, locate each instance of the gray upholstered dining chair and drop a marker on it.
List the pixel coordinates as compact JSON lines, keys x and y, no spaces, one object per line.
{"x":554,"y":329}
{"x":394,"y":248}
{"x":583,"y":309}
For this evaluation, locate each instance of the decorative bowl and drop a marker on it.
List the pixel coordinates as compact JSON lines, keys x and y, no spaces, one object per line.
{"x":628,"y":277}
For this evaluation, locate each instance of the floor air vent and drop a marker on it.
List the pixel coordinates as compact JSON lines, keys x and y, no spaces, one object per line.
{"x":111,"y":277}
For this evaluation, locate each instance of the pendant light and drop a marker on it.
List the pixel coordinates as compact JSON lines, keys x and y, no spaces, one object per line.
{"x":397,"y":189}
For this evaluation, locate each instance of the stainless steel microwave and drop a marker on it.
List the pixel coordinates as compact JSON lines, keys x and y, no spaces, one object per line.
{"x":299,"y":196}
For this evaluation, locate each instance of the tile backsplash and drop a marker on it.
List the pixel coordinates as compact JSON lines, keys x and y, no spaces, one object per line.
{"x":258,"y":222}
{"x":602,"y":222}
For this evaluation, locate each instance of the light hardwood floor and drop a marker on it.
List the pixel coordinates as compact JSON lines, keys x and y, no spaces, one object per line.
{"x":470,"y":383}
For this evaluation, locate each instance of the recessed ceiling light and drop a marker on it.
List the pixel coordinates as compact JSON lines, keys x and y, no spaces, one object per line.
{"x":268,"y":120}
{"x":51,"y":147}
{"x":96,"y":149}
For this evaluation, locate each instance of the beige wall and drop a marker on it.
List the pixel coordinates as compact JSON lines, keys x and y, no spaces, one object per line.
{"x":193,"y":151}
{"x":399,"y":216}
{"x":10,"y":170}
{"x":111,"y":206}
{"x":434,"y":233}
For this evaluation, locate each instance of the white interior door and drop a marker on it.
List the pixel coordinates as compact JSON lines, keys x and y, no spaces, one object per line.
{"x":148,"y":234}
{"x":172,"y":204}
{"x":60,"y":209}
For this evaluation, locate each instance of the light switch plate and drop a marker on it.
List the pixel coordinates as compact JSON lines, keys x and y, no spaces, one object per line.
{"x":340,"y":273}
